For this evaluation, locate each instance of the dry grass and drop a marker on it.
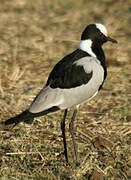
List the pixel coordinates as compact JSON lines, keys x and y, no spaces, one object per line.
{"x":34,"y":35}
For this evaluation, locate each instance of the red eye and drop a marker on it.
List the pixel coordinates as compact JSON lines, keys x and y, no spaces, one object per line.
{"x":100,"y":34}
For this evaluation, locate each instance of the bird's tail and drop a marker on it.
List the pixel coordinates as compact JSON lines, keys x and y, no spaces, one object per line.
{"x":28,"y":117}
{"x":25,"y":116}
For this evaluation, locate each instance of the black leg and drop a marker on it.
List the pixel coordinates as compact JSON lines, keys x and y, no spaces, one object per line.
{"x":63,"y":135}
{"x":71,"y":129}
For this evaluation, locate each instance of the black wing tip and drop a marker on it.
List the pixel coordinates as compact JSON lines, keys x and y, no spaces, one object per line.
{"x":9,"y":121}
{"x":24,"y":116}
{"x":4,"y":126}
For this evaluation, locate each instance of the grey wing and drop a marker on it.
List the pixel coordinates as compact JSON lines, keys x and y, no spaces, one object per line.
{"x":65,"y":98}
{"x":46,"y":99}
{"x":85,"y":92}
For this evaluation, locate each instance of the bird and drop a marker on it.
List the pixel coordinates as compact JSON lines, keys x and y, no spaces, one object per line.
{"x":74,"y":80}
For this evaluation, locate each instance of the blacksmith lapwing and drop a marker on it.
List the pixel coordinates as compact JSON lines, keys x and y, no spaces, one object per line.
{"x":74,"y":80}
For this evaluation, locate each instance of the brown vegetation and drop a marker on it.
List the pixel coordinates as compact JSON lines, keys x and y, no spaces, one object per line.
{"x":34,"y":35}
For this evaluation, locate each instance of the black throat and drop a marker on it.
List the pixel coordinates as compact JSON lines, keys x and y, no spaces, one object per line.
{"x":98,"y":51}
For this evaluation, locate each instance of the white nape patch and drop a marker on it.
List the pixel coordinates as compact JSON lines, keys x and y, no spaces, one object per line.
{"x":85,"y":45}
{"x":102,"y":28}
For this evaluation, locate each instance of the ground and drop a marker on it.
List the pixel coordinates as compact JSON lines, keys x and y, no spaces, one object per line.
{"x":34,"y":36}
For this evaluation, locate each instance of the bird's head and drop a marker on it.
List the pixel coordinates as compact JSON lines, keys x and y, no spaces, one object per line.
{"x":97,"y":33}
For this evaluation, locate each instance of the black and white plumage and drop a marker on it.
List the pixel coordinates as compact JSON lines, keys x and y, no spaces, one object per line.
{"x":74,"y":80}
